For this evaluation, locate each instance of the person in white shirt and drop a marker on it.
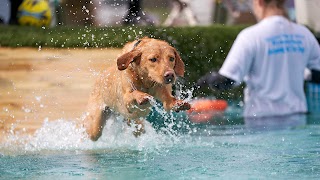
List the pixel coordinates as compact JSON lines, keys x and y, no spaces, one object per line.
{"x":270,"y":57}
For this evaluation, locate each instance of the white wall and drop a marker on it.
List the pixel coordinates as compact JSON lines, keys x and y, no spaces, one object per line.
{"x":308,"y":13}
{"x":203,"y":10}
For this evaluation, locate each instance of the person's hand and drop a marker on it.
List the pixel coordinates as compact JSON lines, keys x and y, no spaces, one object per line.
{"x":207,"y":79}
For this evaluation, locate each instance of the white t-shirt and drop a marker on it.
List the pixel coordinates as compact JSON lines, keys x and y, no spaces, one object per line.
{"x":271,"y":57}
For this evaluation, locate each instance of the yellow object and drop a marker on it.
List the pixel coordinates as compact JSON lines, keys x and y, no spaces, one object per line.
{"x":34,"y":13}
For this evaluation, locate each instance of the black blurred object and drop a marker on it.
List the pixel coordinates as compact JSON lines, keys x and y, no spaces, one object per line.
{"x":315,"y":76}
{"x":14,"y":4}
{"x":318,"y":39}
{"x":136,"y":15}
{"x":214,"y":80}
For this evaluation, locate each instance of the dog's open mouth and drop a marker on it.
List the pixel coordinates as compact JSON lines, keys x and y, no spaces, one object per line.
{"x":168,"y":77}
{"x":168,"y":81}
{"x":159,"y":81}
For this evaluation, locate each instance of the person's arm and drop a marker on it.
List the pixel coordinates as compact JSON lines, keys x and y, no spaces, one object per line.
{"x":313,"y":65}
{"x":214,"y":80}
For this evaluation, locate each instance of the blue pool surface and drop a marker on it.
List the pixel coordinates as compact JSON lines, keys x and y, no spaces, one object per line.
{"x":175,"y":149}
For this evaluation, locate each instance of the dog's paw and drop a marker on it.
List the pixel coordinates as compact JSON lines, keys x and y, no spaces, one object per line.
{"x":181,"y":106}
{"x":139,"y":127}
{"x":143,"y":99}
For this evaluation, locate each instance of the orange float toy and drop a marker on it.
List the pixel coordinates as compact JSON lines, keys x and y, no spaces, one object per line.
{"x":204,"y":110}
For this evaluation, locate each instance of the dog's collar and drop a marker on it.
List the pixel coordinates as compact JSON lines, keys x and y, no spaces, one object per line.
{"x":136,"y":44}
{"x":133,"y":87}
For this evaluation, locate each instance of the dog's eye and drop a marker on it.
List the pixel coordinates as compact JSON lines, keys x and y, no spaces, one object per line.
{"x":171,"y":59}
{"x":153,"y":59}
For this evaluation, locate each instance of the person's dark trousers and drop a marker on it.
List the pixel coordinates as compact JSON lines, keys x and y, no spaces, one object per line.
{"x":14,"y":11}
{"x":134,"y":11}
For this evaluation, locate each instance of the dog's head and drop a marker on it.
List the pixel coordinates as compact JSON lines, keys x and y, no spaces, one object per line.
{"x":153,"y":59}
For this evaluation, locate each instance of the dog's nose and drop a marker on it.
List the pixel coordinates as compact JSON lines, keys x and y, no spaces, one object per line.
{"x":168,"y":77}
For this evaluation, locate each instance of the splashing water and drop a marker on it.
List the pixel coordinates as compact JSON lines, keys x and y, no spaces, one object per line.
{"x":63,"y":134}
{"x":66,"y":135}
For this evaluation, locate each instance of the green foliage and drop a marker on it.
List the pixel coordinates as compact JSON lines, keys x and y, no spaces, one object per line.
{"x":201,"y":48}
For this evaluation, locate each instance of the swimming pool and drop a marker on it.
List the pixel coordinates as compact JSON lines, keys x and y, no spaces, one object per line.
{"x":175,"y":149}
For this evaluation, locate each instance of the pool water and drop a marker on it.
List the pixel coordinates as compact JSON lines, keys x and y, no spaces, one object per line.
{"x":173,"y":149}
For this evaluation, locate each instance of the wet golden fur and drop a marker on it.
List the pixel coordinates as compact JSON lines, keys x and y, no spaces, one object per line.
{"x":144,"y":70}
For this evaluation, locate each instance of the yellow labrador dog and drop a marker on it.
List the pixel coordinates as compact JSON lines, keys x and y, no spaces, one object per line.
{"x":146,"y":69}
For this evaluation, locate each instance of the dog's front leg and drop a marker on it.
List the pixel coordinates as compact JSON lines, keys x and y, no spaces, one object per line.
{"x":170,"y":102}
{"x":96,"y":115}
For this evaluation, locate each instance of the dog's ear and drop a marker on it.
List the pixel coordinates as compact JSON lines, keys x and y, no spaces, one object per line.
{"x":179,"y":65}
{"x":124,"y":60}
